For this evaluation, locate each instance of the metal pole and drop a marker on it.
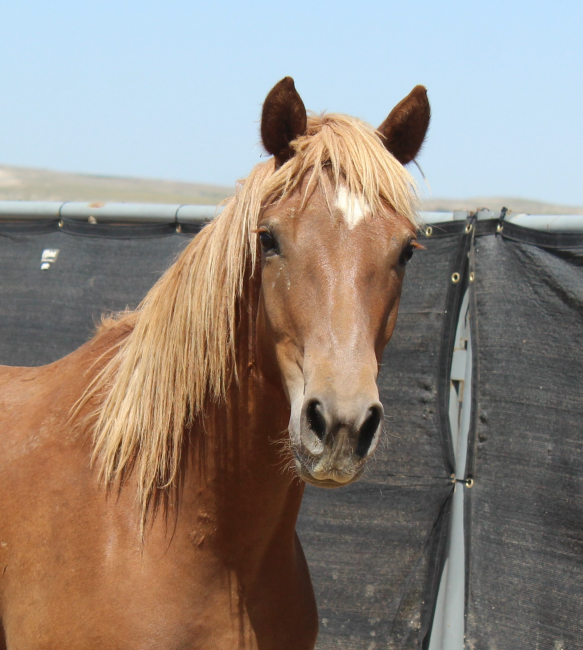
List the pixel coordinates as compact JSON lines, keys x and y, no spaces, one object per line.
{"x":448,"y":622}
{"x":107,"y":212}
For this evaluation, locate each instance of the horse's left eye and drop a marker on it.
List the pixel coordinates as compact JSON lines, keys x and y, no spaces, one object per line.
{"x":406,"y":255}
{"x":268,"y":243}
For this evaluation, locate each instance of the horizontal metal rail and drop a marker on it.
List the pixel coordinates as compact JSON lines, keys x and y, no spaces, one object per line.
{"x":98,"y":212}
{"x":107,"y":212}
{"x":547,"y":222}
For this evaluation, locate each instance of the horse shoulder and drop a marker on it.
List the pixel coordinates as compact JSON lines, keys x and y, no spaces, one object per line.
{"x":36,"y":403}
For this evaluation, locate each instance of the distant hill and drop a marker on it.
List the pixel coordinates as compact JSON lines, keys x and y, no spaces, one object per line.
{"x":497,"y":203}
{"x":30,"y":184}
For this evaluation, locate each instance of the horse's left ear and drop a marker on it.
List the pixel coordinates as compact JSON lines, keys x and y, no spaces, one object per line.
{"x":283,"y":119}
{"x":403,"y":132}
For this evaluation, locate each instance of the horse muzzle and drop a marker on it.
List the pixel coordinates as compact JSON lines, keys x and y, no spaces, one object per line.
{"x":335,"y":439}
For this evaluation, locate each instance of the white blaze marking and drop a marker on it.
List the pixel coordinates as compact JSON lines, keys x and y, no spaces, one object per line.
{"x":351,"y":207}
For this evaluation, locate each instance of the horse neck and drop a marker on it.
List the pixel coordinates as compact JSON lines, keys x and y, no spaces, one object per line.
{"x":240,"y":450}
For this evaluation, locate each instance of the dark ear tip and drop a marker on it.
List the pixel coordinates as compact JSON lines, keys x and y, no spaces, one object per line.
{"x":287,"y":83}
{"x":419,"y":93}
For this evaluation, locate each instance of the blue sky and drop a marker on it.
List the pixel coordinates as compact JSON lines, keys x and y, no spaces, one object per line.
{"x":174,"y":89}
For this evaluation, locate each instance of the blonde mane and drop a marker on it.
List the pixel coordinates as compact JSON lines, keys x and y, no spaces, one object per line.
{"x":180,"y":352}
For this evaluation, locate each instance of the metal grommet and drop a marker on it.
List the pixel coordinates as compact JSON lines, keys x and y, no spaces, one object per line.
{"x":455,"y":278}
{"x":469,"y":227}
{"x":61,"y":224}
{"x":470,"y":483}
{"x":499,"y":228}
{"x":178,"y":228}
{"x":472,"y":276}
{"x":428,"y":231}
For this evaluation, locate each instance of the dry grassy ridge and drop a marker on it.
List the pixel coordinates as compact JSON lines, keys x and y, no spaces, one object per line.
{"x":515,"y":205}
{"x":28,"y":184}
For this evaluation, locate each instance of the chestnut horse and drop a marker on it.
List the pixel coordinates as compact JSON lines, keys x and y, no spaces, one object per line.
{"x":149,"y":481}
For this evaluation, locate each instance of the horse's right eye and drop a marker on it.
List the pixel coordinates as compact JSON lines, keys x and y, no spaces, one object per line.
{"x":268,"y":242}
{"x":406,"y":255}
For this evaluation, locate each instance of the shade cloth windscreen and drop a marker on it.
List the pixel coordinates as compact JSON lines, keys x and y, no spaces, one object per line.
{"x":368,"y":545}
{"x":375,"y":548}
{"x":46,"y":314}
{"x":526,"y":507}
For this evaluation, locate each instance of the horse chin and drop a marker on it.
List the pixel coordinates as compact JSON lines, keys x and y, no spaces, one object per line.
{"x":327,"y":482}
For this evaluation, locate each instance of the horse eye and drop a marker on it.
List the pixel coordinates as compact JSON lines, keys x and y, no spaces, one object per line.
{"x":406,"y":255}
{"x":268,"y":243}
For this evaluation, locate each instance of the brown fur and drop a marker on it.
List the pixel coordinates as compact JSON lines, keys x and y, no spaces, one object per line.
{"x":219,"y":564}
{"x":221,"y":569}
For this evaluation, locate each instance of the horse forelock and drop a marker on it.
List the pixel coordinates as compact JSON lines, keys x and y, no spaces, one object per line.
{"x":181,"y":353}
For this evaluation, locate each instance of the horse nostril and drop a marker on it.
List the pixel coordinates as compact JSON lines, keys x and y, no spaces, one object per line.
{"x":315,"y":418}
{"x":368,"y":430}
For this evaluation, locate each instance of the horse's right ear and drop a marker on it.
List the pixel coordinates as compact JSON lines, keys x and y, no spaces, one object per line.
{"x":404,"y":130}
{"x":283,"y":119}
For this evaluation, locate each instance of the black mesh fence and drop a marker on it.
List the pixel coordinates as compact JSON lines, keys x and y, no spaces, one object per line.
{"x":376,"y":548}
{"x":525,"y":533}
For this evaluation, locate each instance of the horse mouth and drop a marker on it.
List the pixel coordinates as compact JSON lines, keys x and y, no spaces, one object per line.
{"x":333,"y":479}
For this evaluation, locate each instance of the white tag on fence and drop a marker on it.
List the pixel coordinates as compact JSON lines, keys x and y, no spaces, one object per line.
{"x":48,"y":257}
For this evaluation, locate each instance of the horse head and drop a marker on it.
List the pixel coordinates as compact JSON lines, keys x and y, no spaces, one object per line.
{"x":332,"y":220}
{"x":332,"y":267}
